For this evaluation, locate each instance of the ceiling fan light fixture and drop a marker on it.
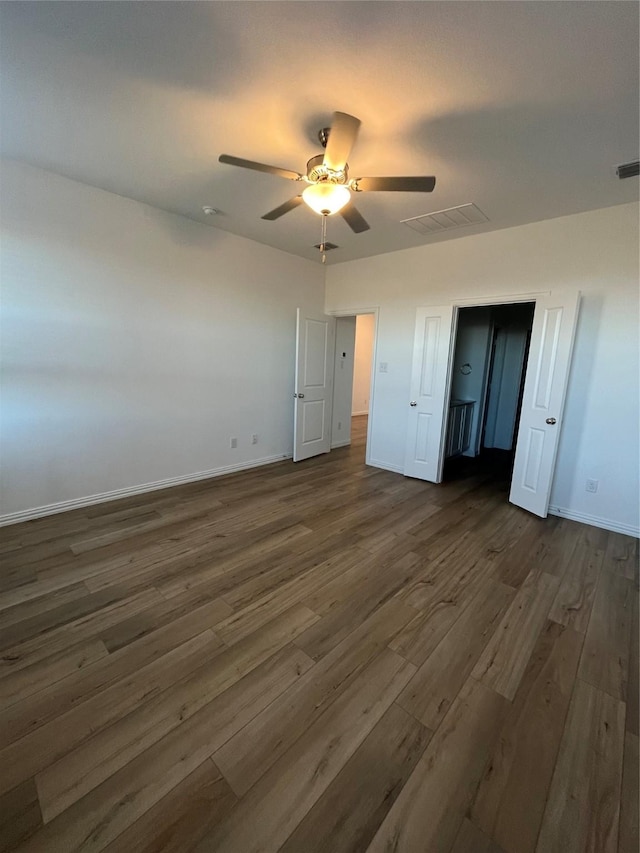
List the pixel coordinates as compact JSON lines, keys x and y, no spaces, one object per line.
{"x":326,"y":198}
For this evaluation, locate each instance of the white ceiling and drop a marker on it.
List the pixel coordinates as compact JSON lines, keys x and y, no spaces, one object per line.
{"x":524,"y":108}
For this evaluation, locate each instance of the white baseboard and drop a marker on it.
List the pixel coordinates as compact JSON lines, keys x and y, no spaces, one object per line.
{"x":345,"y":443}
{"x":357,"y":414}
{"x":595,"y":521}
{"x":104,"y":497}
{"x":376,"y":463}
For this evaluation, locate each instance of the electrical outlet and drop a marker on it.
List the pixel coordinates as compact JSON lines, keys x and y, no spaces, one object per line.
{"x":254,"y":439}
{"x":592,"y":486}
{"x":384,"y":367}
{"x":339,"y":424}
{"x":233,"y":442}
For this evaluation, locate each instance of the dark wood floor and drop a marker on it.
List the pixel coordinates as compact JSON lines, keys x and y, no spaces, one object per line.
{"x":318,"y":658}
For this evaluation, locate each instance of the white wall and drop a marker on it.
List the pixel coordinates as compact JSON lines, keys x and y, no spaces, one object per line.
{"x":596,"y":252}
{"x":502,"y":404}
{"x":472,"y":348}
{"x":136,"y":343}
{"x":365,"y":330}
{"x":513,"y":323}
{"x":343,"y":381}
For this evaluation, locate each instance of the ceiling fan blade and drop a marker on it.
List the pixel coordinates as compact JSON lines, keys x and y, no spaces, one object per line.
{"x":259,"y":167}
{"x":417,"y":184}
{"x":342,"y":136}
{"x":277,"y":212}
{"x":354,"y":219}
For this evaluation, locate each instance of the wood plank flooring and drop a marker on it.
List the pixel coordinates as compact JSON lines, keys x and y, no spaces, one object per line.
{"x":318,"y":657}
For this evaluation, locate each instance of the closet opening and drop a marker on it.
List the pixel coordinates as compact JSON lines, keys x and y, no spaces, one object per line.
{"x":489,"y":365}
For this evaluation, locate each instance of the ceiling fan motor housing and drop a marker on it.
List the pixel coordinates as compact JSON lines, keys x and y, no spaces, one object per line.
{"x":318,"y":173}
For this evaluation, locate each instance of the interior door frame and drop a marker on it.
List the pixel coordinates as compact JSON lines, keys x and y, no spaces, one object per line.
{"x":354,"y":312}
{"x":480,"y":302}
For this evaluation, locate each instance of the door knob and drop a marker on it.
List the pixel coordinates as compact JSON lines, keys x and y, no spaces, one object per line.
{"x":300,"y":396}
{"x":550,"y":421}
{"x":413,"y":403}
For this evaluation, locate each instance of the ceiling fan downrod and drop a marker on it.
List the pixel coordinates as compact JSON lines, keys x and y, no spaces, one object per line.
{"x":323,"y":136}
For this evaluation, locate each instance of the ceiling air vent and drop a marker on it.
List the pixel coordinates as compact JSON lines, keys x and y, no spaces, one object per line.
{"x":327,"y":246}
{"x":446,"y":220}
{"x":628,"y":170}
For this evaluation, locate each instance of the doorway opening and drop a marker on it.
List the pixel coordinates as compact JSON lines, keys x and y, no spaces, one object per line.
{"x":490,"y":354}
{"x":541,"y":409}
{"x":352,"y":379}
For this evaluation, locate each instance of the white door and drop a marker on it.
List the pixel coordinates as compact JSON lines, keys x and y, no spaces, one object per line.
{"x":315,"y":336}
{"x":554,"y":324}
{"x":424,"y":453}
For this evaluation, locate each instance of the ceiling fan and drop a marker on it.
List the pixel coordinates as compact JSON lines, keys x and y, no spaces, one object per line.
{"x":329,"y":185}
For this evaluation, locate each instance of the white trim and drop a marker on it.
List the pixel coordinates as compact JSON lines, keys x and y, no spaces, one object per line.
{"x":105,"y":497}
{"x":358,"y":414}
{"x":115,"y":494}
{"x":504,"y":299}
{"x":341,"y":444}
{"x":353,"y":312}
{"x":386,"y":466}
{"x":595,"y":521}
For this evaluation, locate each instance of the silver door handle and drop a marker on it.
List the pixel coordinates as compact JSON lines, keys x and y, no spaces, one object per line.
{"x":413,"y":403}
{"x":550,"y":421}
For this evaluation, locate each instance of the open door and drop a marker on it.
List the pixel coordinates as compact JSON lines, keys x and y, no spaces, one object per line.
{"x":547,"y":373}
{"x":554,"y":324}
{"x":424,"y":454}
{"x":315,"y":336}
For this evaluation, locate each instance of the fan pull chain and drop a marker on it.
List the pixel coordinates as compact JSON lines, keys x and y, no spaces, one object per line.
{"x":323,"y":239}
